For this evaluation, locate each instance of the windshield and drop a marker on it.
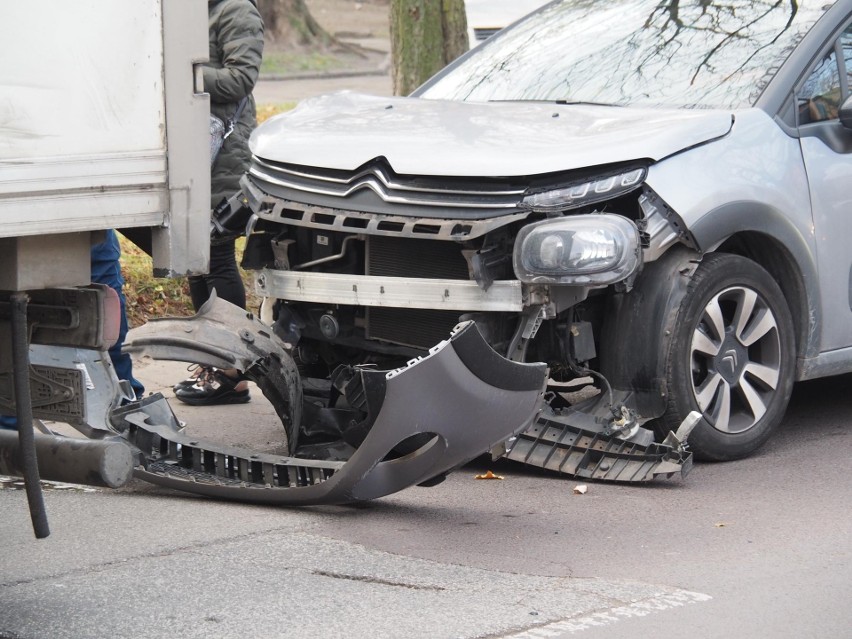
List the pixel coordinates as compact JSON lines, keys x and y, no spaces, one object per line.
{"x":680,"y":53}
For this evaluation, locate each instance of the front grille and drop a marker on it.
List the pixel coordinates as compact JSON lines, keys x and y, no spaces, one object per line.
{"x":399,"y":224}
{"x":377,"y":182}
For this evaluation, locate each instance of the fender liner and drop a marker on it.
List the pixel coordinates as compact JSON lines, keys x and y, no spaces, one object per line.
{"x":632,"y":345}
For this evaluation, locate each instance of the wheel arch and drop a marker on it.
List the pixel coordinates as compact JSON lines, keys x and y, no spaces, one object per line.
{"x":768,"y":237}
{"x":631,"y":356}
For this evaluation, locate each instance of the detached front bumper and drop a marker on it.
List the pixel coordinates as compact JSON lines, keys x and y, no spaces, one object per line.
{"x":422,"y":420}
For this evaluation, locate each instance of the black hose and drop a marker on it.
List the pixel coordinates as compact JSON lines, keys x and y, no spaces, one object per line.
{"x":24,"y":410}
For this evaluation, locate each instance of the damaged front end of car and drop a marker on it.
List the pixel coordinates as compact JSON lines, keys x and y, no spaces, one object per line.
{"x":363,"y":268}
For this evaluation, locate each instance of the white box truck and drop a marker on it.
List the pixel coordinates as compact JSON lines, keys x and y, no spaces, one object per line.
{"x":103,"y":124}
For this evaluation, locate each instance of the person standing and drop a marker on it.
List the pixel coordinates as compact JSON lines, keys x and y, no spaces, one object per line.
{"x":236,"y":50}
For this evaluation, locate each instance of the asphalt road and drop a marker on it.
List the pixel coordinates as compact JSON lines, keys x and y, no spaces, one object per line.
{"x":756,"y":548}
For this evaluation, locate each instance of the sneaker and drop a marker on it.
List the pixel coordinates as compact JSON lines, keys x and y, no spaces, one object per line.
{"x":215,"y":388}
{"x":197,"y":373}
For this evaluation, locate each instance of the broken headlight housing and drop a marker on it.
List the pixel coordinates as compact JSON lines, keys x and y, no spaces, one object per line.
{"x":584,"y":193}
{"x":584,"y":250}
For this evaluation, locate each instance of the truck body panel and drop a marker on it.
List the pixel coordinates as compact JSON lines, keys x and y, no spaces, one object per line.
{"x":103,"y":125}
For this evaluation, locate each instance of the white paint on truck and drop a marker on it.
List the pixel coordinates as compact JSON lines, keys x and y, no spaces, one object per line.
{"x":103,"y":124}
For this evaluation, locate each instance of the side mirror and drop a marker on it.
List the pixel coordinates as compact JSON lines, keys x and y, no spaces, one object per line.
{"x":845,"y":114}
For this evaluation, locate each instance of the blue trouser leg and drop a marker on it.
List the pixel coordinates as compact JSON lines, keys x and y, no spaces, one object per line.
{"x":106,"y":269}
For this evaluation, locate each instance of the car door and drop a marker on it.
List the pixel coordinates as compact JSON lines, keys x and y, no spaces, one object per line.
{"x":827,"y":151}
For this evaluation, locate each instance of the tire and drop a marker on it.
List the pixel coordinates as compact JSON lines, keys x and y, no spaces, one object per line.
{"x":731,"y":356}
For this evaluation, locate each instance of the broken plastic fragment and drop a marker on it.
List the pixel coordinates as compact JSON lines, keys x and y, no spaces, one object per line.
{"x":489,"y":475}
{"x":580,"y":489}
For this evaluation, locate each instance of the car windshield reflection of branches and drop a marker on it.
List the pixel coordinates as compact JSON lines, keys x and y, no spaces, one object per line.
{"x":722,"y":19}
{"x":681,"y":53}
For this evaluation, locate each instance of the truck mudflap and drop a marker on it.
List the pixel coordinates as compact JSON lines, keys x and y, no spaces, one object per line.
{"x":417,"y":422}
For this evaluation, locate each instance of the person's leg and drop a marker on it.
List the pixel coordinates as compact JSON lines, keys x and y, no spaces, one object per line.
{"x":224,"y":276}
{"x":122,"y":362}
{"x":106,"y":269}
{"x":198,"y":291}
{"x":216,"y":386}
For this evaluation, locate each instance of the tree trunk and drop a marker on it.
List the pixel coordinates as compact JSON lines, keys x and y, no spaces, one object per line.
{"x":456,"y":41}
{"x":290,"y":21}
{"x":426,"y":35}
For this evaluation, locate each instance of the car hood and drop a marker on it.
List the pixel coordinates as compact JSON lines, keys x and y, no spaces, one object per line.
{"x":475,"y":139}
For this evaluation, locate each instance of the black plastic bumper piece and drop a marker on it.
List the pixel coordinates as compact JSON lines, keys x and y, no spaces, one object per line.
{"x":586,"y":454}
{"x":464,"y":401}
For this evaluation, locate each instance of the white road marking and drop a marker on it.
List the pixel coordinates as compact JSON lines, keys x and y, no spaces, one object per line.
{"x":657,"y":603}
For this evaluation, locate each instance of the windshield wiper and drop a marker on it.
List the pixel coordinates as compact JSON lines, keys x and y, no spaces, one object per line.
{"x":576,"y":102}
{"x":561,"y":102}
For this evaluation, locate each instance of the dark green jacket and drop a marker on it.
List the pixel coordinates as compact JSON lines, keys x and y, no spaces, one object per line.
{"x":236,"y":50}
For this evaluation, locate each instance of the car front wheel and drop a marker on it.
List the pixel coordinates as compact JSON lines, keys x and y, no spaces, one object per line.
{"x":731,"y":356}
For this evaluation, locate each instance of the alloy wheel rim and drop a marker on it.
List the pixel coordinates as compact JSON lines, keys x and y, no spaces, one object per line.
{"x":735,"y":357}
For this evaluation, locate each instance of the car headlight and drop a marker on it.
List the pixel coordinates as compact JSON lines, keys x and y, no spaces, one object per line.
{"x":582,"y":193}
{"x":583,"y":250}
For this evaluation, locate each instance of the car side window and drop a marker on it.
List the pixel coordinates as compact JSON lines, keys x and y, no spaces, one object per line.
{"x":821,"y":95}
{"x":823,"y":92}
{"x":846,"y":47}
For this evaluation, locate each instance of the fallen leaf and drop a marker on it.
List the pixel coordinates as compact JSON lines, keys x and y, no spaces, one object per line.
{"x":489,"y":475}
{"x":580,"y":489}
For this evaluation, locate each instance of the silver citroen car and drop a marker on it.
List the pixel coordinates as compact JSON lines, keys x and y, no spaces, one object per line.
{"x":653,"y":198}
